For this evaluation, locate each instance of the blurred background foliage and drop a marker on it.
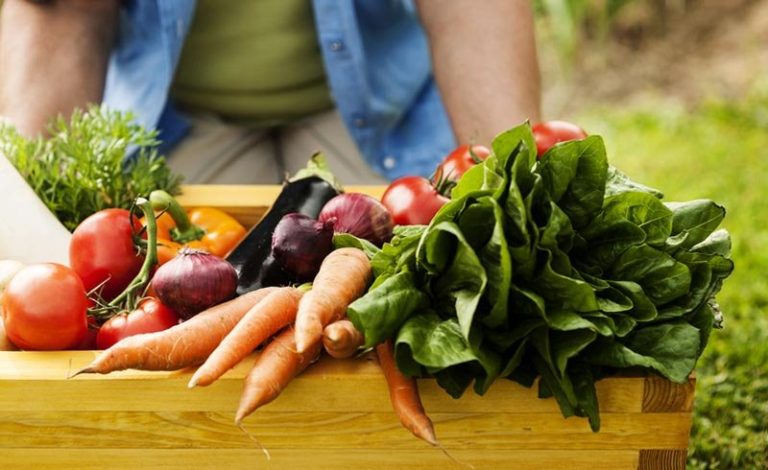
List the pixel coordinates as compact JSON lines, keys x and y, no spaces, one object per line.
{"x":678,"y":90}
{"x":574,"y":21}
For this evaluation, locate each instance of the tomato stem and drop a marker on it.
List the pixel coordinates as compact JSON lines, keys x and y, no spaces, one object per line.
{"x":443,"y":184}
{"x":475,"y":157}
{"x":185,"y":231}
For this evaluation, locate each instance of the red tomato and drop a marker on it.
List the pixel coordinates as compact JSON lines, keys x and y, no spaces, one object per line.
{"x":89,"y":341}
{"x":549,"y":133}
{"x":460,"y":160}
{"x":151,"y":315}
{"x":102,"y":249}
{"x":44,"y":308}
{"x":412,"y":200}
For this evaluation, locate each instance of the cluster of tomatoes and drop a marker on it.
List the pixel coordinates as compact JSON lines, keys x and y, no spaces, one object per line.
{"x":45,"y":306}
{"x":414,"y":200}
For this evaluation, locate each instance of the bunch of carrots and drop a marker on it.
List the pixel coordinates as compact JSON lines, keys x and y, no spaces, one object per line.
{"x":300,"y":324}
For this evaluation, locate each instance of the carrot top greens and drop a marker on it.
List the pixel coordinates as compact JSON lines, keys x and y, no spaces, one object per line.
{"x":98,"y":159}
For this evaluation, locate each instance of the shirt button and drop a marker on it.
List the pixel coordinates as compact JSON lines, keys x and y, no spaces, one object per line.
{"x":389,"y":162}
{"x":359,"y":122}
{"x":336,"y":46}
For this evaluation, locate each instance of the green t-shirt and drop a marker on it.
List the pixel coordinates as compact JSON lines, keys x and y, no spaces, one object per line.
{"x":253,"y":62}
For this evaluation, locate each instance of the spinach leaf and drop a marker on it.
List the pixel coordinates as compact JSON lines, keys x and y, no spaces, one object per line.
{"x":462,"y":278}
{"x":342,"y":240}
{"x":670,"y":349}
{"x":438,"y":344}
{"x":566,"y":345}
{"x":643,"y":308}
{"x":717,"y":243}
{"x":561,"y":290}
{"x":703,"y":319}
{"x":575,"y":177}
{"x":562,"y":269}
{"x":617,"y":183}
{"x":693,"y":222}
{"x":494,"y":256}
{"x":586,"y":395}
{"x":662,"y":277}
{"x":627,"y":219}
{"x":397,"y":255}
{"x":381,"y":312}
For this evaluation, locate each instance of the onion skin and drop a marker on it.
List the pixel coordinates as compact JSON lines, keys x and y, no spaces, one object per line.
{"x":300,"y":243}
{"x":194,"y":281}
{"x":360,"y":215}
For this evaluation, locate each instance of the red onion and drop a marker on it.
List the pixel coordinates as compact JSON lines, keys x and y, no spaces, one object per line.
{"x":194,"y":281}
{"x":300,"y":243}
{"x":360,"y":215}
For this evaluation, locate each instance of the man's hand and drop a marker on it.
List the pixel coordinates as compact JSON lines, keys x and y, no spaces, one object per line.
{"x":484,"y":59}
{"x":53,"y":58}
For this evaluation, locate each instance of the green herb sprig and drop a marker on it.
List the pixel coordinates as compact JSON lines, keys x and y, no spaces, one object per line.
{"x":82,"y":166}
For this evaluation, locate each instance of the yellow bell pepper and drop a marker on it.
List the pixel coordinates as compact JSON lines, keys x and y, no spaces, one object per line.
{"x":205,"y":228}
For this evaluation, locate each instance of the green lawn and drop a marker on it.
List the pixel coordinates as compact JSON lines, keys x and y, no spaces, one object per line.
{"x":718,"y":151}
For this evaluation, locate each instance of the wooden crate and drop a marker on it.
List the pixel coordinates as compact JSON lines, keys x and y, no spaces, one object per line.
{"x":336,"y":415}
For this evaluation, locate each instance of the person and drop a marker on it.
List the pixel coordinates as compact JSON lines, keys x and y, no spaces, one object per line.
{"x":243,"y":91}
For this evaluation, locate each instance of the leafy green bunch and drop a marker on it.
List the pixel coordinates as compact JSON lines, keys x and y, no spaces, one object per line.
{"x":562,"y":269}
{"x":83,"y":164}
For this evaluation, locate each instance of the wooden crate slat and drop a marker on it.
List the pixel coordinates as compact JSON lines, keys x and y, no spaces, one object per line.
{"x":40,"y":378}
{"x":316,"y":459}
{"x":337,"y":430}
{"x":246,"y":203}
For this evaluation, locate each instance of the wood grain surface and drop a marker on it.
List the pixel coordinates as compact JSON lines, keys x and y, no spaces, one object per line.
{"x":320,"y":459}
{"x":247,"y":203}
{"x":661,"y":395}
{"x":655,"y":459}
{"x":338,"y":406}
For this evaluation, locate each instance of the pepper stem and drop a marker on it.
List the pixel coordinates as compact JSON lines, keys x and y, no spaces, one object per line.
{"x":185,"y":231}
{"x":129,"y":297}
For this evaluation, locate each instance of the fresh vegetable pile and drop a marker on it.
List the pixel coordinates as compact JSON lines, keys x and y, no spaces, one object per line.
{"x":222,"y":335}
{"x":560,"y":268}
{"x":104,"y":295}
{"x":532,"y":259}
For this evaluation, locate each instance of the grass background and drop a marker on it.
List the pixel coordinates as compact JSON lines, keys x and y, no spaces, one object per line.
{"x":716,"y":150}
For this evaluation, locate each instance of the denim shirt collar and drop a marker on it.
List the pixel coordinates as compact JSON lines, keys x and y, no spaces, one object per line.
{"x":376,"y":58}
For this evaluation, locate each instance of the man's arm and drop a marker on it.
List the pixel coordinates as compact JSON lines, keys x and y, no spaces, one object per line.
{"x":53,"y":57}
{"x":485,"y":64}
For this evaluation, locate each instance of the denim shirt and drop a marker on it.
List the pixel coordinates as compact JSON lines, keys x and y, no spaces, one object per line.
{"x":376,"y":59}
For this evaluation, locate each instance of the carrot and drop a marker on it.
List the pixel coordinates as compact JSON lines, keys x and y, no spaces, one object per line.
{"x":180,"y":346}
{"x":343,"y":277}
{"x":277,"y":365}
{"x":341,"y":339}
{"x":263,"y":320}
{"x":404,"y":395}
